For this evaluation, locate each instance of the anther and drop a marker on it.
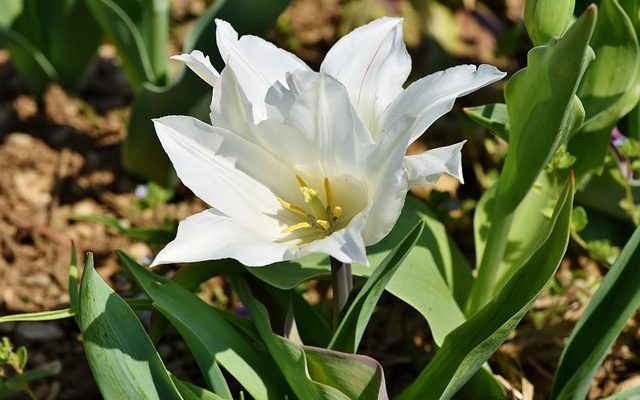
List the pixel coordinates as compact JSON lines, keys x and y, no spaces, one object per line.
{"x":324,"y":224}
{"x":337,"y":212}
{"x":301,"y":225}
{"x":291,"y":207}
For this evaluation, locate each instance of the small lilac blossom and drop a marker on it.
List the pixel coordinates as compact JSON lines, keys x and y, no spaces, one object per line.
{"x":298,"y":162}
{"x":141,"y":191}
{"x":617,"y":140}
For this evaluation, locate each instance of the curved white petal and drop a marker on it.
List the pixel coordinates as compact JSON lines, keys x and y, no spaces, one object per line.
{"x":200,"y":64}
{"x":345,"y":245}
{"x":325,"y":119}
{"x":372,"y":62}
{"x":211,"y":235}
{"x":256,"y":63}
{"x":427,"y":167}
{"x":427,"y":99}
{"x":228,"y":172}
{"x":230,"y":108}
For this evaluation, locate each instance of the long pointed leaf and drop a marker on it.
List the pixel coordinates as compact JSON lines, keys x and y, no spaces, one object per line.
{"x":615,"y":301}
{"x":121,"y":356}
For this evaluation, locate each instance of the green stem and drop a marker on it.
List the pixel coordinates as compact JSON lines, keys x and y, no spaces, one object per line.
{"x":156,"y":37}
{"x":484,"y":285}
{"x":341,"y":285}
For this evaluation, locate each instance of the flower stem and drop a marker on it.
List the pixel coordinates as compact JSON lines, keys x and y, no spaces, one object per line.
{"x":341,"y":284}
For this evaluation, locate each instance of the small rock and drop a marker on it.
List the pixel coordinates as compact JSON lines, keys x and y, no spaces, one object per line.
{"x":19,"y":139}
{"x":31,"y":186}
{"x":39,"y":331}
{"x":38,"y":279}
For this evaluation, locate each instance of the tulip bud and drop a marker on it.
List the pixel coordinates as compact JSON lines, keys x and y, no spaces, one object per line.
{"x":547,"y":18}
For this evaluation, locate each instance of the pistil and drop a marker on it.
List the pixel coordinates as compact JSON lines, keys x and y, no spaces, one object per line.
{"x":322,"y":217}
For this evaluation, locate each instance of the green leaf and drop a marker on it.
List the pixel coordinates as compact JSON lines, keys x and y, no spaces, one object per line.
{"x":225,"y":344}
{"x":528,"y":231}
{"x":543,"y":110}
{"x":629,"y":394}
{"x":615,"y":301}
{"x":125,"y":35}
{"x":579,"y":219}
{"x":610,"y":87}
{"x":493,"y":117}
{"x":466,"y":348}
{"x":193,"y":392}
{"x":294,"y":363}
{"x":357,"y":376}
{"x":75,"y":25}
{"x":142,"y":152}
{"x":39,"y":316}
{"x":74,"y":298}
{"x":351,"y":329}
{"x":9,"y":11}
{"x":121,"y":356}
{"x":29,"y":61}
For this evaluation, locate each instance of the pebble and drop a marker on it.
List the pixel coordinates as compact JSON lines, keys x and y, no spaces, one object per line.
{"x":39,"y":331}
{"x":38,"y":279}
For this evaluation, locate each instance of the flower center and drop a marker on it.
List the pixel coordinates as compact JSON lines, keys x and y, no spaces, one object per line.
{"x":323,"y":217}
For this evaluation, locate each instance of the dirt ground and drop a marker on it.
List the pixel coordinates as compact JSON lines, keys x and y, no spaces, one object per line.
{"x":60,"y":158}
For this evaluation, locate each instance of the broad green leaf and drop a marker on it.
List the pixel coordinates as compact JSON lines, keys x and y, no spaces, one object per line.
{"x":142,"y":152}
{"x":121,"y":356}
{"x":210,"y":336}
{"x":357,"y":376}
{"x":543,"y":110}
{"x":300,"y":371}
{"x":528,"y":231}
{"x":610,"y":87}
{"x":125,"y":35}
{"x":351,"y":329}
{"x":288,"y":356}
{"x":75,"y":25}
{"x":9,"y":11}
{"x":493,"y":117}
{"x":434,"y":279}
{"x":466,"y":348}
{"x":615,"y":301}
{"x":547,"y":18}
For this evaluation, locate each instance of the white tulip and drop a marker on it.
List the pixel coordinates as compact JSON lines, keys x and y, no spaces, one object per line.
{"x":298,"y":162}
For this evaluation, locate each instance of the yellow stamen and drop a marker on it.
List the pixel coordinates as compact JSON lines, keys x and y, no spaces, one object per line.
{"x":337,"y":212}
{"x":301,"y":225}
{"x":327,"y":191}
{"x":324,"y":224}
{"x":291,"y":207}
{"x":301,"y":181}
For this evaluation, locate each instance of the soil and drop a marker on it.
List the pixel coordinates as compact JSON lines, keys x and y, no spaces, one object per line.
{"x":60,"y":158}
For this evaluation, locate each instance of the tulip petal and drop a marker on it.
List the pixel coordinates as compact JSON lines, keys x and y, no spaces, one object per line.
{"x":230,"y":108}
{"x":211,"y":235}
{"x":328,"y":126}
{"x":200,"y":64}
{"x":256,"y":63}
{"x":427,"y":167}
{"x":372,"y":63}
{"x":228,"y":172}
{"x":427,"y":99}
